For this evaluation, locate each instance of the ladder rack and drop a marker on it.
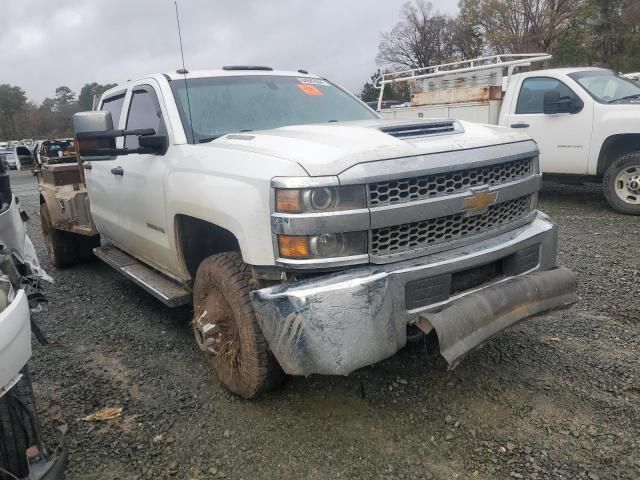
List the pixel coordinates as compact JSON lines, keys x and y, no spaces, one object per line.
{"x":453,"y":69}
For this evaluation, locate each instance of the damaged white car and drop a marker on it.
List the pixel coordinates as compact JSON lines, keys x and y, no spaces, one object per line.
{"x":23,"y":454}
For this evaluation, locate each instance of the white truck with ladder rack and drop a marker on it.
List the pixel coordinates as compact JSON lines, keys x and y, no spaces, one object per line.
{"x":586,"y":121}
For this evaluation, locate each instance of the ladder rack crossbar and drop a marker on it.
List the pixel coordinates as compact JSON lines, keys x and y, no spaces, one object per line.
{"x":463,"y":66}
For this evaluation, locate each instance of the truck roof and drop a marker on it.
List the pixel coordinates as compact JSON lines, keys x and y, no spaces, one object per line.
{"x":237,"y":71}
{"x":568,"y":70}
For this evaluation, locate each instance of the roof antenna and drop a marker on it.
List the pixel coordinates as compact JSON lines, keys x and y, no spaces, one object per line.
{"x":184,"y":72}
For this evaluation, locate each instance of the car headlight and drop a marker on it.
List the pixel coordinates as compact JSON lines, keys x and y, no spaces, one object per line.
{"x":321,"y":199}
{"x":326,"y":245}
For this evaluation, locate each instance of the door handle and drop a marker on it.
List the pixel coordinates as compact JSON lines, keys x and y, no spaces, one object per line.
{"x":87,"y":166}
{"x":117,"y":171}
{"x":520,"y":125}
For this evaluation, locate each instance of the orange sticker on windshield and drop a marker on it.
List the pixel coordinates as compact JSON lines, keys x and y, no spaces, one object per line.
{"x":310,"y":90}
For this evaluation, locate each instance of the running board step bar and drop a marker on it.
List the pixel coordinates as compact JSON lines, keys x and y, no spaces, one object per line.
{"x":167,"y":291}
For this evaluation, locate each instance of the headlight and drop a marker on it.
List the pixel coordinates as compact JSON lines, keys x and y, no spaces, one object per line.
{"x":322,"y":199}
{"x":326,"y":245}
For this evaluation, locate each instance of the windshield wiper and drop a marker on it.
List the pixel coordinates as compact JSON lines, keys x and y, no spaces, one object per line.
{"x":628,"y":97}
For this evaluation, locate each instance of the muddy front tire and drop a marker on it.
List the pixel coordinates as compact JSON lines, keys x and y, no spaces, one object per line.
{"x":65,"y":249}
{"x":622,"y":184}
{"x":227,"y":330}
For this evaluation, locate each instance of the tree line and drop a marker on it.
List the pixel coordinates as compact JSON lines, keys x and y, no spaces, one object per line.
{"x":576,"y":32}
{"x":603,"y":33}
{"x":52,"y":118}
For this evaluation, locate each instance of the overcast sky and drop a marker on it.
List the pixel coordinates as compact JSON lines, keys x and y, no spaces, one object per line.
{"x":48,"y":43}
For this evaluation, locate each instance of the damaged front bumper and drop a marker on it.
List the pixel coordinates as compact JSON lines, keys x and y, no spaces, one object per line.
{"x":15,"y":339}
{"x":50,"y":467}
{"x":337,"y":323}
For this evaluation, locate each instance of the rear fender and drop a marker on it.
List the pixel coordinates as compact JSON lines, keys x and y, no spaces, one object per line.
{"x":68,"y":208}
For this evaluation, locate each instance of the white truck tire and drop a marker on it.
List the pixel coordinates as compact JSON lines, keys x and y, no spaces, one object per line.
{"x":621,"y":184}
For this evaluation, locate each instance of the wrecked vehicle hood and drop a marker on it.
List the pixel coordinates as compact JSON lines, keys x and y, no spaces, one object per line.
{"x":329,"y":149}
{"x":15,"y":241}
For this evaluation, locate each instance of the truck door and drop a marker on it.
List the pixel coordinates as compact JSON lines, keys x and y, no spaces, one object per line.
{"x":101,"y":183}
{"x":563,"y":138}
{"x":141,"y":177}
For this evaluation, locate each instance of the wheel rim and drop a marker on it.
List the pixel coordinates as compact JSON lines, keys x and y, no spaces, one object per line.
{"x":216,"y":333}
{"x":627,"y":185}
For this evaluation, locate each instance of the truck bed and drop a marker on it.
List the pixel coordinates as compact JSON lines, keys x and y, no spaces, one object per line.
{"x":479,"y":112}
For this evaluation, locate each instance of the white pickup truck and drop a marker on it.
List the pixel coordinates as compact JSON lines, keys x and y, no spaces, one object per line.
{"x":586,"y":121}
{"x":310,"y":235}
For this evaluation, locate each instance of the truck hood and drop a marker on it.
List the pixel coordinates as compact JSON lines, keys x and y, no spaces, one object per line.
{"x":329,"y":149}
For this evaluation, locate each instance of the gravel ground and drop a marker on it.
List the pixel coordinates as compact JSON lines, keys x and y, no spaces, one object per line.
{"x":555,"y":397}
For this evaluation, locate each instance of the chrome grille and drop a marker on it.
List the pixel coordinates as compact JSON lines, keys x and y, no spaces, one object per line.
{"x":428,"y":186}
{"x":425,"y":233}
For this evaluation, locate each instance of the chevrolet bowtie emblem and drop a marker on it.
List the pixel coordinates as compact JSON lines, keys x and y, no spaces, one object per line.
{"x":480,"y":201}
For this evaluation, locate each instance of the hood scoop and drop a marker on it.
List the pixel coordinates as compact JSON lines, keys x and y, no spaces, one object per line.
{"x":423,"y":129}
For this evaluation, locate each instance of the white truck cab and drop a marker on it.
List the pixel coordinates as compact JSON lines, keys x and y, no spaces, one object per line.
{"x":310,"y":235}
{"x":586,"y":121}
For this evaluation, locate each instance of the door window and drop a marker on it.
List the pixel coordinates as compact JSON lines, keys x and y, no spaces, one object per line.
{"x":531,"y":98}
{"x":144,"y":112}
{"x":114,"y":105}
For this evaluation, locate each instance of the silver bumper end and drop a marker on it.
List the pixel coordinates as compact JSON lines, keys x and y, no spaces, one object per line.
{"x":469,"y":322}
{"x":337,"y":323}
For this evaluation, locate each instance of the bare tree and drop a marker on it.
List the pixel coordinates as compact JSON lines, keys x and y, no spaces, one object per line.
{"x":546,"y":20}
{"x":421,"y":38}
{"x":576,"y":32}
{"x":468,"y":34}
{"x":519,"y":26}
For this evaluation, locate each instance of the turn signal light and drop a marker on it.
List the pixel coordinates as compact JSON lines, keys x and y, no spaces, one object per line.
{"x":293,"y":246}
{"x":288,"y":201}
{"x":320,"y":199}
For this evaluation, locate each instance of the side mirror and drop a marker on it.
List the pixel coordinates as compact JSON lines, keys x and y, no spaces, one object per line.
{"x":95,"y":139}
{"x":554,"y":103}
{"x":154,"y":143}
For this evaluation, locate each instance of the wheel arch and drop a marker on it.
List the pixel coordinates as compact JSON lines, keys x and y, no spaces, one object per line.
{"x":49,"y":199}
{"x":614,"y":147}
{"x":198,"y":239}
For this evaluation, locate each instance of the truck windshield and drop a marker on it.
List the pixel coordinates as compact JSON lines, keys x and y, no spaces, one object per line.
{"x":233,"y":104}
{"x":606,"y":86}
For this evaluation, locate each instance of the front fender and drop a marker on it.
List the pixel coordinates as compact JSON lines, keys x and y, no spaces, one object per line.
{"x":234,"y":193}
{"x":614,"y":123}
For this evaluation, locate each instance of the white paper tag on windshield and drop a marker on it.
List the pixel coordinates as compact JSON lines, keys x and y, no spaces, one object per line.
{"x":313,"y":81}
